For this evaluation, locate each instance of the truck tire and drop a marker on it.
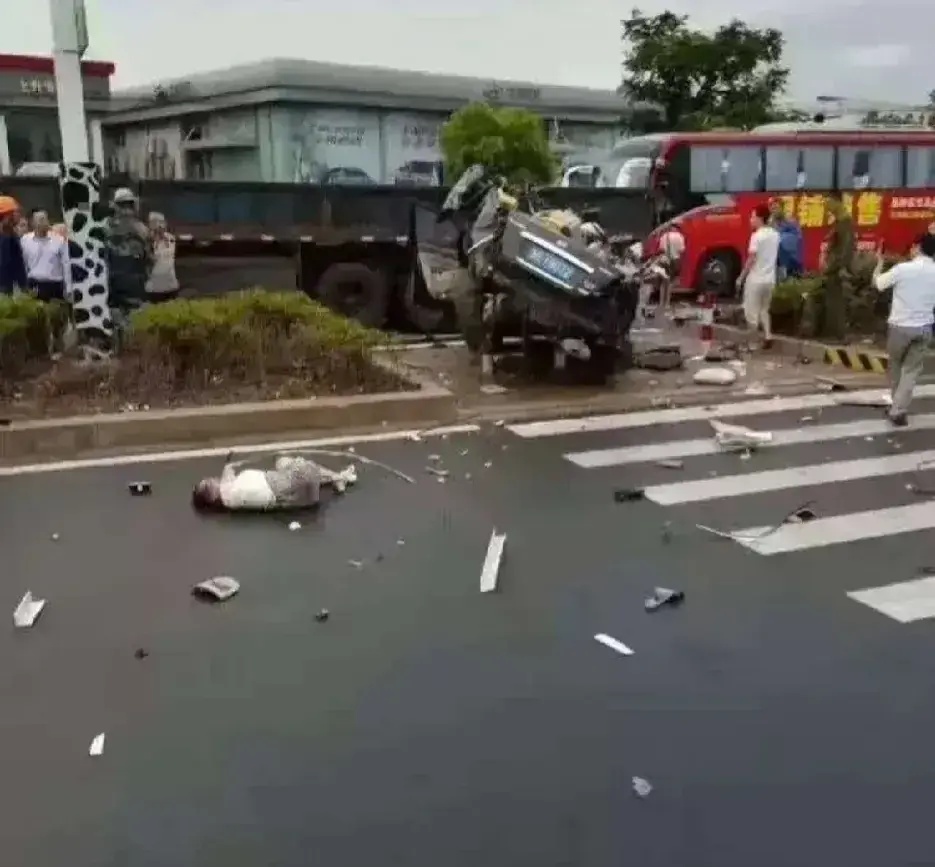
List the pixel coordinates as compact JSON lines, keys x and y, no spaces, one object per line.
{"x":356,"y":291}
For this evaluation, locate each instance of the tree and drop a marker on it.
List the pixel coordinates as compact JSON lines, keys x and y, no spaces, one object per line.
{"x":509,"y":141}
{"x":727,"y":78}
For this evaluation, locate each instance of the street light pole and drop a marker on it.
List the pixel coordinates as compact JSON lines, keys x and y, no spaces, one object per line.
{"x":80,"y":180}
{"x":69,"y":44}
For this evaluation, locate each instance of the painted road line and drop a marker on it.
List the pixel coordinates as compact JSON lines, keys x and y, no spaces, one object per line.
{"x":623,"y":421}
{"x":693,"y":448}
{"x":743,"y":484}
{"x":853,"y":527}
{"x":217,"y":452}
{"x":906,"y":602}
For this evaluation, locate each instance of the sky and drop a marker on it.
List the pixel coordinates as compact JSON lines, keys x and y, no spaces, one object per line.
{"x":837,"y":47}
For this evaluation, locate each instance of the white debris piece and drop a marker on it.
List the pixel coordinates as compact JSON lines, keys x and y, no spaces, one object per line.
{"x":613,"y":644}
{"x":715,"y":376}
{"x":97,"y":745}
{"x":295,"y":525}
{"x":491,"y":569}
{"x":55,"y":537}
{"x":642,"y":787}
{"x":217,"y":589}
{"x":492,"y":389}
{"x":28,"y":611}
{"x":756,"y":389}
{"x":735,"y":436}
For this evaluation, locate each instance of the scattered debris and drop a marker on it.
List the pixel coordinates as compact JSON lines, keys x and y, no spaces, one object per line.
{"x":357,"y":564}
{"x":435,"y":471}
{"x":55,"y":537}
{"x":663,"y":596}
{"x":735,"y":436}
{"x":642,"y":787}
{"x":140,"y":653}
{"x":715,"y":376}
{"x":140,"y":489}
{"x":400,"y":542}
{"x":323,"y":615}
{"x":673,"y":464}
{"x":629,"y":495}
{"x":768,"y":531}
{"x":488,"y":465}
{"x":28,"y":611}
{"x":827,"y":383}
{"x":97,"y":745}
{"x":295,"y":525}
{"x":756,"y":389}
{"x":613,"y":644}
{"x":490,"y":572}
{"x":745,"y":456}
{"x":666,"y":532}
{"x":739,"y":367}
{"x":499,"y":423}
{"x":464,"y":452}
{"x":801,"y":516}
{"x":350,"y":474}
{"x":807,"y":418}
{"x":217,"y":589}
{"x":493,"y":389}
{"x":661,"y":358}
{"x":415,"y":437}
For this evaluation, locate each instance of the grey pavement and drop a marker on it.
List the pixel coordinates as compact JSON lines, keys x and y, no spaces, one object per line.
{"x":780,"y":722}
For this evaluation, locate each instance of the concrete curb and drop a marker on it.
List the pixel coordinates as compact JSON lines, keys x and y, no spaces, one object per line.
{"x":847,"y":357}
{"x":67,"y":437}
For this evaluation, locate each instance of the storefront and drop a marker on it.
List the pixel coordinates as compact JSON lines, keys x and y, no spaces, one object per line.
{"x":29,"y":133}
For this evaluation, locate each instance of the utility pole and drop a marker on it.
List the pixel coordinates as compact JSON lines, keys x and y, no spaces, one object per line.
{"x":80,"y":179}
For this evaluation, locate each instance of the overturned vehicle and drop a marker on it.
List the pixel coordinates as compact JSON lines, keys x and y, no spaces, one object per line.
{"x":548,"y":276}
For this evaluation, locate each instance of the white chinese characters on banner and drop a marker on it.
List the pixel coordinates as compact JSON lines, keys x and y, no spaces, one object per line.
{"x":335,"y":146}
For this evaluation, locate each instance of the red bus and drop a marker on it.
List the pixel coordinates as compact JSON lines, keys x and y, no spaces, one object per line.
{"x":708,"y":184}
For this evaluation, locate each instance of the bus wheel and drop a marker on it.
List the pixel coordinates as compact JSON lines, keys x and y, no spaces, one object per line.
{"x":718,"y":274}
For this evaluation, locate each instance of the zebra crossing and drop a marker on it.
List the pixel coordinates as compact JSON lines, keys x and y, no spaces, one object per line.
{"x":823,"y":449}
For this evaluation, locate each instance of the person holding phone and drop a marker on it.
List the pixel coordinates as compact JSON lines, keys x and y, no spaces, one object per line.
{"x":912,"y":313}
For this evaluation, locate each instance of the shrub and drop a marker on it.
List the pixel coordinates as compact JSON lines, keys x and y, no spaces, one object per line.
{"x":28,"y":328}
{"x":245,"y":335}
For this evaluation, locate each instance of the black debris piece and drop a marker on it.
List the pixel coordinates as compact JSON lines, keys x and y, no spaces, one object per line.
{"x":629,"y":495}
{"x":141,"y":653}
{"x":800,"y":516}
{"x":927,"y":570}
{"x":323,"y":615}
{"x":140,"y":489}
{"x":664,"y":596}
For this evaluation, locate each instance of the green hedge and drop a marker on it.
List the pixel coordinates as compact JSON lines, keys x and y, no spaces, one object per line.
{"x":243,"y":333}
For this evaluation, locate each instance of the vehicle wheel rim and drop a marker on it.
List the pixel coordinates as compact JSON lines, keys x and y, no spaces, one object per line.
{"x":714,"y":276}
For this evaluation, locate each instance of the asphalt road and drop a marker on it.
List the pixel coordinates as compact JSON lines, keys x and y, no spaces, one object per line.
{"x":780,"y":722}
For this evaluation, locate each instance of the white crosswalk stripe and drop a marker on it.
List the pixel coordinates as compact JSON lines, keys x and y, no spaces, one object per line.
{"x":663,"y":435}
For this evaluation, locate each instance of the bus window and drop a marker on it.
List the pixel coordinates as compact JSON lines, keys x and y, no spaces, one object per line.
{"x":860,"y":168}
{"x":789,"y":167}
{"x":735,"y":169}
{"x":920,"y":168}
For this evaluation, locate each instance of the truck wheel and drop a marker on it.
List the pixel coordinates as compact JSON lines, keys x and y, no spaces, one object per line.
{"x":356,"y":291}
{"x":718,"y":273}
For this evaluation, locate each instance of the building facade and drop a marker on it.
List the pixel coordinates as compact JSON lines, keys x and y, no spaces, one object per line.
{"x":298,"y":121}
{"x":29,"y":128}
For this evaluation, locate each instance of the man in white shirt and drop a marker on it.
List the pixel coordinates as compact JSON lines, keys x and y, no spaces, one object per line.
{"x":46,"y":256}
{"x":912,"y":312}
{"x":758,"y":278}
{"x":294,"y":483}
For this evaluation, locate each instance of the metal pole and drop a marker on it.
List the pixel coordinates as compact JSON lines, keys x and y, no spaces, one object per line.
{"x":80,"y":180}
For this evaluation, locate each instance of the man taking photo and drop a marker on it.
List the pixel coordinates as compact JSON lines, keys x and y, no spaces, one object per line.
{"x":912,"y":312}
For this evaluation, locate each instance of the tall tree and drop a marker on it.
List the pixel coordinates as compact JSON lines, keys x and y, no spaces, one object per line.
{"x":511,"y":142}
{"x":727,"y":78}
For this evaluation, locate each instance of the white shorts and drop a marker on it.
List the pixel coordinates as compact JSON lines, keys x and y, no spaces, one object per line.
{"x":757,"y":297}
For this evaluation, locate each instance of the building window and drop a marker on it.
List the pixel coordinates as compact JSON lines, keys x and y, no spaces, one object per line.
{"x":33,"y":137}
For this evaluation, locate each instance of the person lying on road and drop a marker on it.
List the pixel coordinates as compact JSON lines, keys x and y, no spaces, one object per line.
{"x":294,"y":483}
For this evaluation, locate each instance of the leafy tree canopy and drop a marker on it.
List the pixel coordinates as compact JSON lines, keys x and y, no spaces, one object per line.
{"x":509,"y":141}
{"x":729,"y":78}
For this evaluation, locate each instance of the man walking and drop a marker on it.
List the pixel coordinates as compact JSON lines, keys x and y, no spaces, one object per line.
{"x":912,"y":312}
{"x":46,"y":258}
{"x":758,"y":278}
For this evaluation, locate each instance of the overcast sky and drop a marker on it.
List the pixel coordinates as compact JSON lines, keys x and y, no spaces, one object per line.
{"x":840,"y":47}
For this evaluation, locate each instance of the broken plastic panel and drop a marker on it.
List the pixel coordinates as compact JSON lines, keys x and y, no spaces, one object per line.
{"x":641,"y":787}
{"x":218,"y":589}
{"x":737,"y":437}
{"x":490,"y":572}
{"x":613,"y":644}
{"x":28,"y":611}
{"x":664,"y":596}
{"x":97,"y":745}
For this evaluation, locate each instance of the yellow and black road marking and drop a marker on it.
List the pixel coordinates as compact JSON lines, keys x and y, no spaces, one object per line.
{"x":855,"y":359}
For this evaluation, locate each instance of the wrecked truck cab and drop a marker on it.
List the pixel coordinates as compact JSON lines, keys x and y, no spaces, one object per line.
{"x":546,"y":275}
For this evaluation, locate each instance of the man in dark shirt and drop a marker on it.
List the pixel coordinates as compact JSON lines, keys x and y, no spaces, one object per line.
{"x":129,"y":258}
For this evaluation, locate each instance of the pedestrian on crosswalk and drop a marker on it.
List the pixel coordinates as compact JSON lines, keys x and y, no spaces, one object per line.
{"x":912,"y":312}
